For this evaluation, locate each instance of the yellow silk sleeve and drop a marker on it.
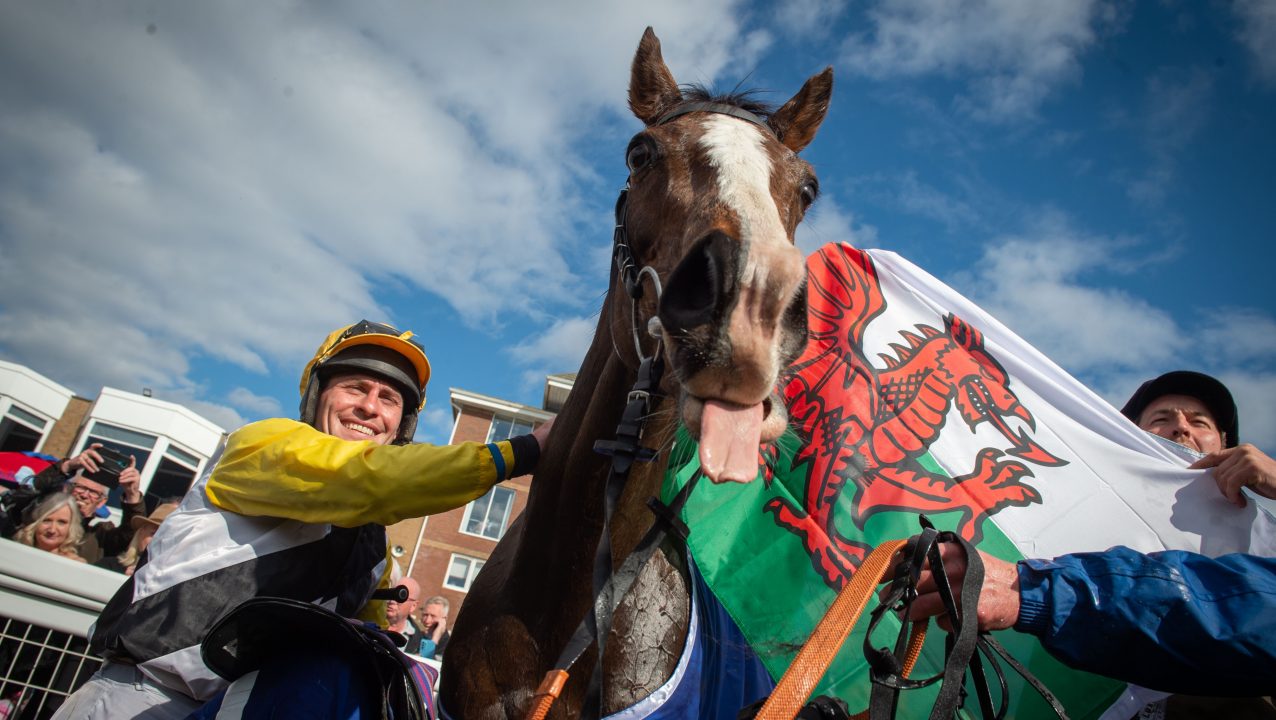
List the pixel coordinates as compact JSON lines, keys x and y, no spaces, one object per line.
{"x":287,"y":469}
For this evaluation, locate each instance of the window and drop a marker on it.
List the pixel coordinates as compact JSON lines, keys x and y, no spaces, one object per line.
{"x":170,"y":482}
{"x":21,"y":430}
{"x":488,"y":516}
{"x":461,"y":572}
{"x":16,"y":437}
{"x":505,"y":427}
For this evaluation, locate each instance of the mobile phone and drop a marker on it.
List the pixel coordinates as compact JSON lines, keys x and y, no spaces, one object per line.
{"x":113,"y":463}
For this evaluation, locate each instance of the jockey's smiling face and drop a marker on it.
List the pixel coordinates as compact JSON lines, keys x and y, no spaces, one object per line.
{"x":1183,"y":419}
{"x":360,"y":406}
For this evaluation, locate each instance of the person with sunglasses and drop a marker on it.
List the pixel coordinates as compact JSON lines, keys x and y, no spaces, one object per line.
{"x":292,"y":509}
{"x":83,"y":478}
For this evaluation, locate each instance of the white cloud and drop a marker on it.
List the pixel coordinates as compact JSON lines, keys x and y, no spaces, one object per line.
{"x":904,"y":192}
{"x":1258,"y":35}
{"x":1238,"y":335}
{"x":1011,"y":54}
{"x":1253,"y":392}
{"x":1176,"y":108}
{"x":808,"y":17}
{"x":1040,"y":285}
{"x":1035,"y":285}
{"x":258,"y":405}
{"x":229,"y":183}
{"x":434,"y":425}
{"x":225,"y":417}
{"x":829,"y":222}
{"x":918,"y":198}
{"x":558,"y":349}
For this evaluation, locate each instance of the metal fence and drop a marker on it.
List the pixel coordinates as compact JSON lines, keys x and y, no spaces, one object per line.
{"x":47,"y":604}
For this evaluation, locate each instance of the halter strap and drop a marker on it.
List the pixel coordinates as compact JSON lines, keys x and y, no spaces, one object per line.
{"x":715,"y":107}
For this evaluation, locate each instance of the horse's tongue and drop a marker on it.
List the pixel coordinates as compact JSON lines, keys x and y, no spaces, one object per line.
{"x":729,"y":438}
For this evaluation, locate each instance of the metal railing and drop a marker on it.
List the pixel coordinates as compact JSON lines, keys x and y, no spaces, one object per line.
{"x":47,"y":604}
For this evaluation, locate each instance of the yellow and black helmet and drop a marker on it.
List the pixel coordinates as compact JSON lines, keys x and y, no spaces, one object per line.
{"x":376,"y":348}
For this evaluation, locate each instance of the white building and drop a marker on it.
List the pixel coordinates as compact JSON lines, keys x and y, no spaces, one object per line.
{"x":170,"y":443}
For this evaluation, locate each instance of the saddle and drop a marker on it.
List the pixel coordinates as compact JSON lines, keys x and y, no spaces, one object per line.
{"x":268,"y":629}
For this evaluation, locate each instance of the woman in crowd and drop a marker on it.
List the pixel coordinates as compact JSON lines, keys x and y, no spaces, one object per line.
{"x":143,"y":530}
{"x":54,"y":526}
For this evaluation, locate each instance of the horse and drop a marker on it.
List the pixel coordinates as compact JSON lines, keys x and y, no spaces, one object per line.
{"x":715,"y":193}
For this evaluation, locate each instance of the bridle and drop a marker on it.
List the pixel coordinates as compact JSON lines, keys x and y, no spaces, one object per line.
{"x":622,"y":252}
{"x":611,"y":584}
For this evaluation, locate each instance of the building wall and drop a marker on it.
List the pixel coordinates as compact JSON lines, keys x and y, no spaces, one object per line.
{"x":443,"y":535}
{"x":62,"y":437}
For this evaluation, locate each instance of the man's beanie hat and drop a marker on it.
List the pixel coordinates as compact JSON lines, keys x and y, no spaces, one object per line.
{"x":1212,"y":393}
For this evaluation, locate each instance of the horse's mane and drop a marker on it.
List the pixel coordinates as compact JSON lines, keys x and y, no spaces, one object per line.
{"x":743,"y":99}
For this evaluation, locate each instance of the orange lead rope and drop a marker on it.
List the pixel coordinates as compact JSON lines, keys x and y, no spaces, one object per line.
{"x":817,"y":654}
{"x":812,"y":660}
{"x":551,"y":687}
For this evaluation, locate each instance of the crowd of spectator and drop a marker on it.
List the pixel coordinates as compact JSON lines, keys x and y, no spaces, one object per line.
{"x":62,"y":510}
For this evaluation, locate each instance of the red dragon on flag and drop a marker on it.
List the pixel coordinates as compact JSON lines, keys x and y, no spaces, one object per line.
{"x":871,"y":436}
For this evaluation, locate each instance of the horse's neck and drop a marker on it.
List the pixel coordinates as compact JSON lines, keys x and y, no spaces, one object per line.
{"x":562,"y":523}
{"x":564,"y":511}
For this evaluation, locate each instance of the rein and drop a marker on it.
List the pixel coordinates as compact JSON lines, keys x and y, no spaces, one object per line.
{"x":889,"y":669}
{"x":611,"y":585}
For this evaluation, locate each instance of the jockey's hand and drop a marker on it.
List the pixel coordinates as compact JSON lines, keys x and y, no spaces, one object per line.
{"x":131,"y":482}
{"x":998,"y":601}
{"x":1238,"y":467}
{"x":88,"y":461}
{"x":541,"y":433}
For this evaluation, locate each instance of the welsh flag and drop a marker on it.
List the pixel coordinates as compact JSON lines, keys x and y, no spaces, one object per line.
{"x":911,"y":399}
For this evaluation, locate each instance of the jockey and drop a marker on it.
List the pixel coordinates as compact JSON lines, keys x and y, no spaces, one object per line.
{"x":289,"y":509}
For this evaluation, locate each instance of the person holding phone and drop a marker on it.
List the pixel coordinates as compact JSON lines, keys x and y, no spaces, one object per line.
{"x":434,"y":627}
{"x":89,"y":478}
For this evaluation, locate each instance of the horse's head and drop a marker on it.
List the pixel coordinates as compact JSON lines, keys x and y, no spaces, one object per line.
{"x":716,"y":191}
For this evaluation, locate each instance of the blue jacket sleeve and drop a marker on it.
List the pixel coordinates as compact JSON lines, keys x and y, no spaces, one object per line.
{"x":1171,"y":621}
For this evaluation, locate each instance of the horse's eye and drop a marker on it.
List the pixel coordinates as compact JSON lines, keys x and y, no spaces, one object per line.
{"x":639,"y":155}
{"x":809,"y":192}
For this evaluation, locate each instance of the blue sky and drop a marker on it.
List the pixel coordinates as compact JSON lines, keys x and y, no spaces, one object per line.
{"x":193,"y":195}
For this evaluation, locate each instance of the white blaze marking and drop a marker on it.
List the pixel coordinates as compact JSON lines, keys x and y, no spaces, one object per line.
{"x":744,"y":169}
{"x":773,"y":267}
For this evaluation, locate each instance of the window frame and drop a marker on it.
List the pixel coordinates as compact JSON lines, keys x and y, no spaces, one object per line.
{"x":24,"y":417}
{"x":475,"y":566}
{"x":505,"y":521}
{"x":514,"y":426}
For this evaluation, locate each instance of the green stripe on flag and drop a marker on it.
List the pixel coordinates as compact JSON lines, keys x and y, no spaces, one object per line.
{"x":766,"y":581}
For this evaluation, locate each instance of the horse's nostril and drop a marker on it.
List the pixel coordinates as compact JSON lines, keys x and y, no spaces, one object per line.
{"x":699,"y":290}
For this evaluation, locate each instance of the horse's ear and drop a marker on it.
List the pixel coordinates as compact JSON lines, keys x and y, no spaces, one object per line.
{"x":652,"y":89}
{"x":795,"y":123}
